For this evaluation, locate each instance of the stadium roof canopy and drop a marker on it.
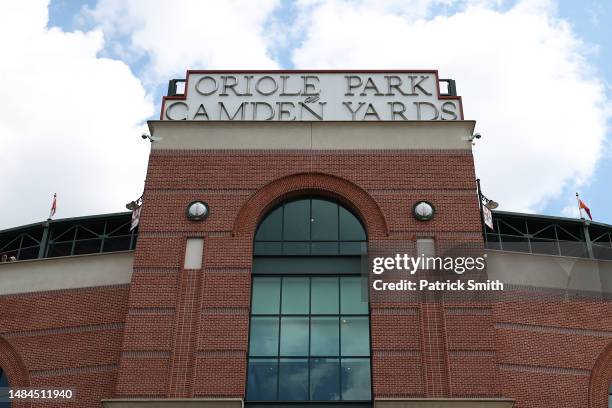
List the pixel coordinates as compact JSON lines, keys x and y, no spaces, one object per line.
{"x":69,"y":236}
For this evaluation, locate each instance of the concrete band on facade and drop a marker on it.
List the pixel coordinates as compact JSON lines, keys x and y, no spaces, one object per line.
{"x":547,"y":272}
{"x":512,"y":268}
{"x":175,"y":403}
{"x":66,"y":273}
{"x":378,"y":403}
{"x":312,"y":135}
{"x":444,"y":403}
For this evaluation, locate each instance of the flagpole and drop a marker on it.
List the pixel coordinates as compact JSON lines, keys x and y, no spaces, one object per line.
{"x":579,"y":208}
{"x":53,"y":207}
{"x":585,"y":229}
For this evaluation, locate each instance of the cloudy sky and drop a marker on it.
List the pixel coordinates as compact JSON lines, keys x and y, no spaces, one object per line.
{"x":79,"y":81}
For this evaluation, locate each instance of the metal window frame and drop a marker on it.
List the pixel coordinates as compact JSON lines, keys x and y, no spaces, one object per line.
{"x":309,"y":357}
{"x":310,"y":241}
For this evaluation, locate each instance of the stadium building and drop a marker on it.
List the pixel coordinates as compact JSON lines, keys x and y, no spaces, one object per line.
{"x":267,"y":192}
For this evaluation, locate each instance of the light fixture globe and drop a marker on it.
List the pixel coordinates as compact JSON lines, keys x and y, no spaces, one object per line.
{"x":423,"y":210}
{"x":197,"y":211}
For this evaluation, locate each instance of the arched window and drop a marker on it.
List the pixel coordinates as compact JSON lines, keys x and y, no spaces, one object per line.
{"x":309,"y":334}
{"x":3,"y":390}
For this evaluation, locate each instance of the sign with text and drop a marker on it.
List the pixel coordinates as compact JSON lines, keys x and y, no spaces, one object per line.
{"x":312,"y":96}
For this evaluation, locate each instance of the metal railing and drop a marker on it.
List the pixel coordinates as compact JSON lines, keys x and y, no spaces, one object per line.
{"x":68,"y":237}
{"x":549,"y":235}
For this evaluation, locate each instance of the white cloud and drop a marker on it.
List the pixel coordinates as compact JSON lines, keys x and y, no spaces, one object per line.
{"x":194,"y":34}
{"x":571,"y":210}
{"x":522,"y":73}
{"x":69,"y":121}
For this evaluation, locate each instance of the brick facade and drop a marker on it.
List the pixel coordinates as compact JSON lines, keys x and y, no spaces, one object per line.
{"x":64,"y":339}
{"x":184,"y":333}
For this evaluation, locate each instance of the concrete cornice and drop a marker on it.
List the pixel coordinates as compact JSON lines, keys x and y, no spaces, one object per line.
{"x":383,"y":135}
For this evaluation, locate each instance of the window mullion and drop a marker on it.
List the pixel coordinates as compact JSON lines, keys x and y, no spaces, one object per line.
{"x":310,"y":227}
{"x":338,"y":223}
{"x":292,"y":360}
{"x":280,"y":317}
{"x":340,"y":337}
{"x":309,"y":334}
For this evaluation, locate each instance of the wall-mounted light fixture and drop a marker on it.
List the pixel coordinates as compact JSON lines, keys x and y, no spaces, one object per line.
{"x":423,"y":210}
{"x":197,"y":210}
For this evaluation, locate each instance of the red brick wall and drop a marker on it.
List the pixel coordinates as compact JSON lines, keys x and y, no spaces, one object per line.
{"x":547,"y":350}
{"x":184,"y":333}
{"x":239,"y":188}
{"x":64,"y":338}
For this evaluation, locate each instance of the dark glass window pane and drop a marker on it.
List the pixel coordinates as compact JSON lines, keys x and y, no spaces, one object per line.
{"x":268,"y":248}
{"x":271,"y":227}
{"x":3,"y":379}
{"x":4,"y":394}
{"x":353,"y":248}
{"x":294,"y":336}
{"x":264,"y":336}
{"x":324,"y":296}
{"x":297,"y":221}
{"x":266,"y":296}
{"x":356,"y":379}
{"x":324,"y":336}
{"x":351,"y":301}
{"x":293,"y":377}
{"x":263,"y":374}
{"x":324,"y":379}
{"x":355,"y":335}
{"x":350,"y":227}
{"x":296,"y":248}
{"x":296,"y":296}
{"x":324,"y":248}
{"x":325,"y":221}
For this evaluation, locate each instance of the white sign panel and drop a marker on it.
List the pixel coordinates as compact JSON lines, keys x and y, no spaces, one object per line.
{"x":488,"y":217}
{"x":312,"y":96}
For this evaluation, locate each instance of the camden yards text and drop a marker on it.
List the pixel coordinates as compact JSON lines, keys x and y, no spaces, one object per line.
{"x":312,"y":96}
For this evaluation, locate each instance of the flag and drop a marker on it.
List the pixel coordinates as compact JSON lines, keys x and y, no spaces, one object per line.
{"x":135,"y":217}
{"x":487,"y":215}
{"x":583,"y":206}
{"x":53,"y":206}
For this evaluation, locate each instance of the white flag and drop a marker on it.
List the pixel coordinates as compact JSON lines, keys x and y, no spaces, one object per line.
{"x":135,"y":217}
{"x":488,"y":217}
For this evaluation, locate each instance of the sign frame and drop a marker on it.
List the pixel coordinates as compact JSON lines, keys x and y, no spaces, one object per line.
{"x":166,"y":101}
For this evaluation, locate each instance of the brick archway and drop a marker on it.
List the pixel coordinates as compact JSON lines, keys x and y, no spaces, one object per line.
{"x":14,"y":368}
{"x":601,"y":376}
{"x":341,"y":190}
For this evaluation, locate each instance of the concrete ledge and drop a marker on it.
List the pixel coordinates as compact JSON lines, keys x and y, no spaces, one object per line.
{"x":174,"y":403}
{"x":550,"y":271}
{"x":71,"y":272}
{"x":394,"y":135}
{"x":444,"y":403}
